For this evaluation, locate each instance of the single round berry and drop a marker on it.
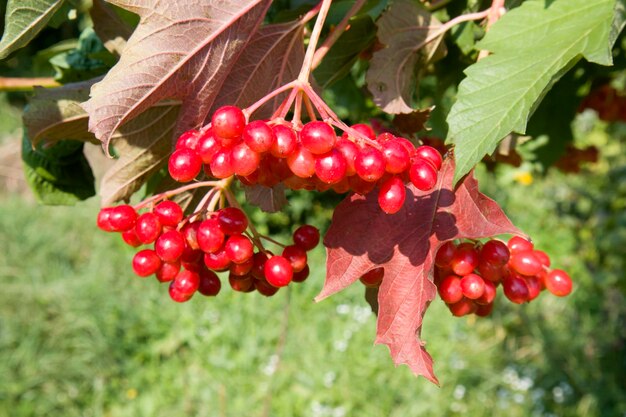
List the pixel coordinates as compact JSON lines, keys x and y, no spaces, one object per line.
{"x":241,"y":284}
{"x":495,"y":252}
{"x":170,"y":246}
{"x":318,"y":137}
{"x":515,"y":289}
{"x":430,"y":154}
{"x":302,"y":275}
{"x":258,"y":136}
{"x":245,"y":160}
{"x":239,"y":249}
{"x":519,"y":244}
{"x":228,"y":122}
{"x":244,"y":268}
{"x":385,"y":137}
{"x":473,"y":286}
{"x":392,"y":195}
{"x":285,"y":141}
{"x":122,"y":218}
{"x":210,"y":284}
{"x":146,"y":262}
{"x":169,"y":213}
{"x":189,"y":232}
{"x":465,"y":259}
{"x":463,"y":307}
{"x":278,"y":271}
{"x":302,"y":163}
{"x":423,"y":175}
{"x":360,"y":186}
{"x":450,"y":289}
{"x":370,"y":164}
{"x":188,"y":140}
{"x":232,"y":220}
{"x":488,"y":295}
{"x":210,"y":236}
{"x":258,"y":267}
{"x":184,"y":165}
{"x":130,"y":238}
{"x":558,"y":282}
{"x":484,"y":310}
{"x":148,"y":228}
{"x":222,"y":164}
{"x":177,"y":295}
{"x":306,"y":236}
{"x":217,"y":261}
{"x":543,"y":258}
{"x":397,"y":159}
{"x":208,"y":146}
{"x":265,"y":288}
{"x":296,"y":256}
{"x":373,"y":278}
{"x":445,"y":254}
{"x":490,"y":272}
{"x":534,"y":287}
{"x":168,"y":271}
{"x":104,"y":219}
{"x":187,"y":282}
{"x":525,"y":263}
{"x":349,"y":151}
{"x":330,"y":167}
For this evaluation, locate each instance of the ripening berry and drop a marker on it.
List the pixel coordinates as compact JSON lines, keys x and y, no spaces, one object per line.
{"x":258,"y":267}
{"x":244,"y":160}
{"x":285,"y":142}
{"x":370,"y":164}
{"x":302,"y":163}
{"x":525,"y":263}
{"x":184,"y":165}
{"x":392,"y":195}
{"x":243,"y":268}
{"x":147,"y":228}
{"x":278,"y":271}
{"x":189,"y":232}
{"x":208,"y":146}
{"x":168,"y":271}
{"x":373,"y":278}
{"x":232,"y":220}
{"x":490,"y":272}
{"x":104,"y":219}
{"x":265,"y":288}
{"x":473,"y":286}
{"x":543,"y":257}
{"x":519,"y":244}
{"x":188,"y":140}
{"x":450,"y":289}
{"x":463,"y":307}
{"x":558,"y":282}
{"x":169,"y":213}
{"x":146,"y":262}
{"x":306,"y":236}
{"x":488,"y":295}
{"x":210,"y":284}
{"x":296,"y":256}
{"x":495,"y":252}
{"x":130,"y":238}
{"x":228,"y":122}
{"x":241,"y":284}
{"x":349,"y":151}
{"x":222,"y":164}
{"x":465,"y":259}
{"x":484,"y":310}
{"x":258,"y":136}
{"x":217,"y":261}
{"x":122,"y":218}
{"x":170,"y":246}
{"x":534,"y":287}
{"x":445,"y":254}
{"x":318,"y":137}
{"x":302,"y":275}
{"x":423,"y":175}
{"x":430,"y":154}
{"x":187,"y":282}
{"x":239,"y":249}
{"x":330,"y":167}
{"x":515,"y":289}
{"x":177,"y":295}
{"x":397,"y":159}
{"x":363,"y":129}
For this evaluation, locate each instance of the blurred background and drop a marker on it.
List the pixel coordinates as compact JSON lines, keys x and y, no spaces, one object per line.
{"x":80,"y":335}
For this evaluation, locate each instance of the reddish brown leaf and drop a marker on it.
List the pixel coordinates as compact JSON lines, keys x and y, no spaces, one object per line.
{"x":268,"y":199}
{"x":110,"y":28}
{"x":362,"y":237}
{"x":181,"y":49}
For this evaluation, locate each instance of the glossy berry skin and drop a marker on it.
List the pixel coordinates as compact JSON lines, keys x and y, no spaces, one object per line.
{"x":222,"y":164}
{"x":490,"y":272}
{"x":542,"y":257}
{"x":318,"y":137}
{"x":241,"y":284}
{"x":450,"y":289}
{"x":330,"y":167}
{"x":258,"y":267}
{"x":462,"y":308}
{"x":169,"y":213}
{"x":122,"y":218}
{"x":188,"y":140}
{"x":430,"y":154}
{"x":187,"y":282}
{"x":184,"y":165}
{"x":465,"y":259}
{"x":519,"y":244}
{"x":484,"y":310}
{"x":285,"y":142}
{"x":495,"y":252}
{"x":177,"y":295}
{"x":258,"y":136}
{"x":515,"y":289}
{"x":228,"y":122}
{"x":146,"y":262}
{"x":265,"y":288}
{"x":301,"y":276}
{"x":473,"y":286}
{"x":363,"y":129}
{"x":170,"y":246}
{"x":244,"y":268}
{"x":217,"y":261}
{"x":296,"y":256}
{"x":245,"y":161}
{"x":444,"y":254}
{"x":558,"y":282}
{"x":397,"y":159}
{"x":147,"y":228}
{"x":534,"y":287}
{"x":423,"y":175}
{"x":525,"y":263}
{"x":210,"y":284}
{"x":306,"y":236}
{"x":391,"y":195}
{"x":130,"y":238}
{"x":370,"y":164}
{"x":373,"y":278}
{"x":302,"y":163}
{"x":208,"y":146}
{"x":232,"y":220}
{"x":349,"y":151}
{"x":189,"y":232}
{"x":168,"y":271}
{"x":488,"y":295}
{"x":278,"y":271}
{"x":239,"y":249}
{"x":104,"y":219}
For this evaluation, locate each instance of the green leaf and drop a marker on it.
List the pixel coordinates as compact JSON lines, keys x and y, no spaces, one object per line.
{"x":60,"y":174}
{"x":532,"y":46}
{"x":23,"y":20}
{"x":359,"y":35}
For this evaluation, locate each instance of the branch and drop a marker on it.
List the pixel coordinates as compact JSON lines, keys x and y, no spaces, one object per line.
{"x":26,"y":84}
{"x":315,"y":37}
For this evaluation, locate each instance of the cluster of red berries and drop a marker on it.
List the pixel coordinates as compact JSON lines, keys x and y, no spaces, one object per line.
{"x":189,"y":253}
{"x":311,"y":157}
{"x":608,"y":102}
{"x":467,"y":275}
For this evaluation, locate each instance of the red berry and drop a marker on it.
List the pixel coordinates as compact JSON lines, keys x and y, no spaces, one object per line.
{"x":130,"y":238}
{"x":515,"y":289}
{"x":445,"y":254}
{"x":302,"y":163}
{"x":148,"y":228}
{"x":392,"y":195}
{"x":241,"y":284}
{"x":543,"y":257}
{"x":534,"y":287}
{"x":228,"y":122}
{"x":306,"y":236}
{"x":258,"y":136}
{"x":209,"y":236}
{"x":465,"y":259}
{"x":330,"y":167}
{"x":245,"y":161}
{"x":208,"y":146}
{"x":488,"y":295}
{"x":243,"y":268}
{"x":210,"y":284}
{"x":385,"y":137}
{"x":239,"y":249}
{"x":177,"y":295}
{"x":265,"y":288}
{"x":278,"y":271}
{"x":188,"y":139}
{"x":462,"y":308}
{"x":397,"y":158}
{"x":349,"y":151}
{"x":258,"y":267}
{"x":495,"y":252}
{"x":558,"y":282}
{"x":373,"y":278}
{"x":104,"y":219}
{"x":359,"y":185}
{"x":122,"y":218}
{"x":222,"y":164}
{"x":285,"y":142}
{"x":483,"y":310}
{"x":169,"y":213}
{"x":318,"y":137}
{"x":490,"y":272}
{"x":363,"y":129}
{"x":423,"y":175}
{"x":146,"y":262}
{"x":189,"y":232}
{"x":187,"y":282}
{"x":430,"y":154}
{"x":450,"y":289}
{"x":232,"y":220}
{"x":301,"y":276}
{"x":525,"y":263}
{"x":370,"y":164}
{"x":170,"y":246}
{"x":184,"y":165}
{"x":296,"y":256}
{"x":168,"y":271}
{"x":473,"y":286}
{"x":519,"y":244}
{"x":217,"y":261}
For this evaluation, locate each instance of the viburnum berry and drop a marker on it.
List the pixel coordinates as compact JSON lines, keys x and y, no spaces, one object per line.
{"x":330,"y":167}
{"x":519,"y":244}
{"x":515,"y":289}
{"x":210,"y":284}
{"x":296,"y":256}
{"x":147,"y":228}
{"x":423,"y":175}
{"x":168,"y":271}
{"x":489,"y":293}
{"x":170,"y":246}
{"x":370,"y":164}
{"x":542,"y":257}
{"x":188,"y":140}
{"x":232,"y":220}
{"x":228,"y":122}
{"x":363,"y":129}
{"x":349,"y":151}
{"x":302,"y":275}
{"x":525,"y":263}
{"x":122,"y":218}
{"x":210,"y":236}
{"x":239,"y":249}
{"x":391,"y":195}
{"x":317,"y":137}
{"x":146,"y":262}
{"x":130,"y":238}
{"x":450,"y":289}
{"x":397,"y":159}
{"x":217,"y":261}
{"x":302,"y":162}
{"x":243,"y":268}
{"x":373,"y":278}
{"x":241,"y":284}
{"x":465,"y":259}
{"x":104,"y":219}
{"x":558,"y":282}
{"x":258,"y":267}
{"x":462,"y":308}
{"x":258,"y":136}
{"x":265,"y":288}
{"x":306,"y":236}
{"x":222,"y":164}
{"x":208,"y":146}
{"x":278,"y":271}
{"x":189,"y":232}
{"x":184,"y":165}
{"x":444,"y":254}
{"x":187,"y":282}
{"x":473,"y":286}
{"x":534,"y":287}
{"x":483,"y":310}
{"x":495,"y":252}
{"x":169,"y":213}
{"x":244,"y":160}
{"x":285,"y":142}
{"x":430,"y":154}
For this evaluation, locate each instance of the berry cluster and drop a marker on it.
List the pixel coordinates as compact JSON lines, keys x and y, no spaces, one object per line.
{"x":189,"y":253}
{"x":467,"y":275}
{"x":309,"y":157}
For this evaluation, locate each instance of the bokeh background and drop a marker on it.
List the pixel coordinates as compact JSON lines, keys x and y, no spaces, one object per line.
{"x":80,"y":335}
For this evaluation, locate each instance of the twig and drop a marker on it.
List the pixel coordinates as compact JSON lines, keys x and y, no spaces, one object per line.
{"x":309,"y":108}
{"x":26,"y":84}
{"x":330,"y":40}
{"x":315,"y":36}
{"x":192,"y":186}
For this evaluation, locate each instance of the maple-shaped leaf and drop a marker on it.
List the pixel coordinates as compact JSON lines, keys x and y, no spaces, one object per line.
{"x":362,"y":237}
{"x":181,"y":49}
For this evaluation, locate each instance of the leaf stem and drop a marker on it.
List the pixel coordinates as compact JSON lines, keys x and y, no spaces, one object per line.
{"x":26,"y":84}
{"x":330,"y":40}
{"x":305,"y":72}
{"x":450,"y":24}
